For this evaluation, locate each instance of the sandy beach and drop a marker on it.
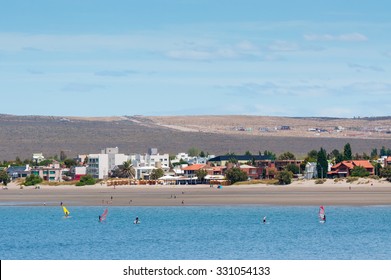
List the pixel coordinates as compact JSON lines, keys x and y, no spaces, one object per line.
{"x":303,"y":192}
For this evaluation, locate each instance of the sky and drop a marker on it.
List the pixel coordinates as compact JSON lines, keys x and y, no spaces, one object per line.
{"x":196,"y":57}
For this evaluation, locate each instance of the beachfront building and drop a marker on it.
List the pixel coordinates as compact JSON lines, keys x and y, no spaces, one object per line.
{"x":344,"y":168}
{"x":310,"y":171}
{"x":251,"y":171}
{"x":51,"y":173}
{"x":98,"y":165}
{"x":15,"y":172}
{"x":191,"y":170}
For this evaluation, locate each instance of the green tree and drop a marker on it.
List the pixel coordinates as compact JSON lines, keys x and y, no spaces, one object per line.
{"x":378,"y":168}
{"x":69,"y":162}
{"x":359,"y":171}
{"x":374,"y":154}
{"x":32,"y":180}
{"x":201,"y":174}
{"x":386,"y":172}
{"x":63,"y":156}
{"x":157,"y":173}
{"x":193,"y":152}
{"x":383,"y":151}
{"x":248,"y":153}
{"x":284,"y":177}
{"x":322,"y":163}
{"x":293,"y":168}
{"x":4,"y":178}
{"x":233,"y":160}
{"x":287,"y":156}
{"x":202,"y":154}
{"x":347,"y":152}
{"x":269,"y":154}
{"x":236,"y":175}
{"x":334,"y":154}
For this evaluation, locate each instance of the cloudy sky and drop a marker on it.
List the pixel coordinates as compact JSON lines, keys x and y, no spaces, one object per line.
{"x":195,"y":57}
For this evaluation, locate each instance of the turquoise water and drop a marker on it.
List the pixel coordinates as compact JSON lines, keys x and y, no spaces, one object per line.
{"x":212,"y":232}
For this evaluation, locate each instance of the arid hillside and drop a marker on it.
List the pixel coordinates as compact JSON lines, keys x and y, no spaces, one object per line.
{"x":23,"y":135}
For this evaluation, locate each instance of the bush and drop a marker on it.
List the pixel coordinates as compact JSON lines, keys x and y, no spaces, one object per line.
{"x":32,"y":180}
{"x":86,"y":180}
{"x":236,"y":175}
{"x":320,"y":181}
{"x":359,"y":171}
{"x":284,"y":177}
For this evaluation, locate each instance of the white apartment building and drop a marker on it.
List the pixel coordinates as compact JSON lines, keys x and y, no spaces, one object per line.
{"x":98,"y":165}
{"x":144,"y":164}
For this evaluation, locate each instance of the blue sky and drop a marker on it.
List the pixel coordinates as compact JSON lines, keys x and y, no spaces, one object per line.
{"x":196,"y":57}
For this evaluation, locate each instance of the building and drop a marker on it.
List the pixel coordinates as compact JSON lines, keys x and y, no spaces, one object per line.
{"x":310,"y":171}
{"x":241,"y":159}
{"x":98,"y":165}
{"x":191,"y":170}
{"x":251,"y":171}
{"x":38,"y":157}
{"x":344,"y":168}
{"x":52,"y":173}
{"x":16,"y":172}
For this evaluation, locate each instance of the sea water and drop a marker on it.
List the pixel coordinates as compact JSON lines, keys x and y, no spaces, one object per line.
{"x":200,"y":232}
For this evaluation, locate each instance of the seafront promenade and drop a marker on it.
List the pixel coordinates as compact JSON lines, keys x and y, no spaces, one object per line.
{"x":362,"y":192}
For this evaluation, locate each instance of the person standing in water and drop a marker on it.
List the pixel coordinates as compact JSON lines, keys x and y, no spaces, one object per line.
{"x":264,"y":220}
{"x":136,"y":221}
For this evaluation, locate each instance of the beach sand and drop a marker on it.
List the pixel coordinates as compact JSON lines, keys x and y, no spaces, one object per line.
{"x":302,"y":192}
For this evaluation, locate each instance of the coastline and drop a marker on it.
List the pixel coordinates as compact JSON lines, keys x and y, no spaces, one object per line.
{"x":303,"y":192}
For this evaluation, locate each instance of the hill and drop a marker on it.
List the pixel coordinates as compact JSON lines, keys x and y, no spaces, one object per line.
{"x":23,"y":135}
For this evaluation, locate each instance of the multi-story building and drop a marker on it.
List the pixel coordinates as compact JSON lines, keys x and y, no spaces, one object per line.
{"x":98,"y":165}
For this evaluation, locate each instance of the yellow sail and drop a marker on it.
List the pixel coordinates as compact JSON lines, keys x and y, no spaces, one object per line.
{"x":66,"y":212}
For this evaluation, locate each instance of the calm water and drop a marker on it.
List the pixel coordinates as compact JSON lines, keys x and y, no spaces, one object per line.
{"x":218,"y":232}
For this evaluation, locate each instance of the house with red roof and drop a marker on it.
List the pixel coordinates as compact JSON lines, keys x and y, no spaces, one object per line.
{"x":190,"y":171}
{"x":344,"y":168}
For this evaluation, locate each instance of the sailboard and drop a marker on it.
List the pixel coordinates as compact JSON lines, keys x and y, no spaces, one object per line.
{"x":103,"y":216}
{"x":66,"y":212}
{"x":322,"y":214}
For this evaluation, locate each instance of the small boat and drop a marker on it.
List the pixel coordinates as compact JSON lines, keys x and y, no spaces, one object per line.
{"x":322,"y":214}
{"x":66,"y":212}
{"x":102,"y":217}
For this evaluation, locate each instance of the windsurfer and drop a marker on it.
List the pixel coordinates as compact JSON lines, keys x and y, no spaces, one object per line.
{"x":136,"y":221}
{"x":264,"y":220}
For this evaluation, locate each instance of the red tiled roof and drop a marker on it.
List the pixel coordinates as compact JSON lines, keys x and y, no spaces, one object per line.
{"x":194,"y":167}
{"x":363,"y":163}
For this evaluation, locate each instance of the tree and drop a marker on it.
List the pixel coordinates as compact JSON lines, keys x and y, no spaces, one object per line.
{"x":202,"y":154}
{"x":334,"y":154}
{"x":347,"y":152}
{"x":69,"y":162}
{"x":383,"y":151}
{"x":269,"y":154}
{"x":193,"y":152}
{"x":322,"y":164}
{"x":359,"y":171}
{"x":284,"y":177}
{"x":127,"y":170}
{"x":201,"y":174}
{"x":386,"y":172}
{"x":293,"y":168}
{"x":248,"y":153}
{"x":157,"y":173}
{"x":63,"y":156}
{"x":4,"y":178}
{"x":287,"y":156}
{"x":236,"y":175}
{"x":374,"y":154}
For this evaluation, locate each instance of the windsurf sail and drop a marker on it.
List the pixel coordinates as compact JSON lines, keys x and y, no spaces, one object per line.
{"x":66,"y":212}
{"x":322,"y":213}
{"x":104,"y":215}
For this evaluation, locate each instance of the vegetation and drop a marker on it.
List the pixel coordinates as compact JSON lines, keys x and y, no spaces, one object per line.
{"x":386,"y":172}
{"x":4,"y":178}
{"x":86,"y":180}
{"x":347,"y":152}
{"x":32,"y":180}
{"x":320,"y":181}
{"x":157,"y":173}
{"x":284,"y":177}
{"x":322,"y":164}
{"x":359,"y":171}
{"x":193,"y":152}
{"x":293,"y":168}
{"x":70,"y":162}
{"x":201,"y":174}
{"x":127,"y":170}
{"x":287,"y":156}
{"x":236,"y":175}
{"x":351,"y":179}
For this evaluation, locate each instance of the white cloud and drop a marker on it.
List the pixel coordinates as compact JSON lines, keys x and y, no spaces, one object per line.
{"x":349,"y":37}
{"x":359,"y":67}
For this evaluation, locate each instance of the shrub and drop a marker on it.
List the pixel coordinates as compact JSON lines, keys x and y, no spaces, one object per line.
{"x":32,"y":180}
{"x":86,"y":180}
{"x":284,"y":177}
{"x":351,"y":179}
{"x":320,"y":181}
{"x":236,"y":175}
{"x":359,"y":171}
